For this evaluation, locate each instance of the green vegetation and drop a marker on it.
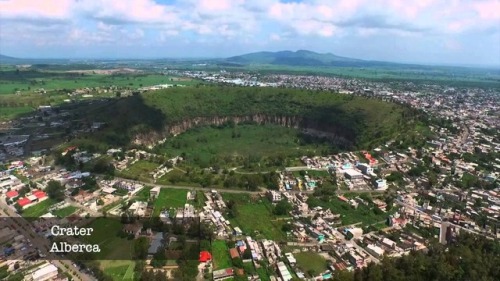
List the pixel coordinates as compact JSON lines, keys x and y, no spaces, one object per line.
{"x":360,"y":121}
{"x":139,"y":170}
{"x":311,"y":263}
{"x":119,"y":270}
{"x":64,"y":212}
{"x":367,"y":215}
{"x":254,"y":216}
{"x":170,"y":198}
{"x":241,"y":145}
{"x":105,"y":234}
{"x":220,"y":255}
{"x":33,"y":212}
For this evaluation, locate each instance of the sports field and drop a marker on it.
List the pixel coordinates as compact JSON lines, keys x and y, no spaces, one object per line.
{"x":170,"y":198}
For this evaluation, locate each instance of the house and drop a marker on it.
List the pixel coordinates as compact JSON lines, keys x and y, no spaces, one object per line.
{"x":290,"y":258}
{"x":223,"y":274}
{"x":237,"y":231}
{"x":205,"y":256}
{"x":283,"y":271}
{"x":353,"y":174}
{"x":365,"y":168}
{"x":133,"y":229}
{"x":154,"y":192}
{"x":273,"y":196}
{"x":156,"y":243}
{"x":233,"y":253}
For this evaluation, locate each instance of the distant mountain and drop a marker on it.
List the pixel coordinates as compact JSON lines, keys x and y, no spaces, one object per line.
{"x":298,"y":58}
{"x":12,"y":60}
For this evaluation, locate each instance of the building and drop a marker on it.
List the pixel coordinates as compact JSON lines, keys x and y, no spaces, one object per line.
{"x":273,"y":196}
{"x":283,"y":271}
{"x":154,"y":192}
{"x":45,"y":273}
{"x":290,"y":258}
{"x":355,"y":233}
{"x":375,"y":250}
{"x":381,"y":184}
{"x":365,"y":168}
{"x":353,"y":174}
{"x":223,"y":274}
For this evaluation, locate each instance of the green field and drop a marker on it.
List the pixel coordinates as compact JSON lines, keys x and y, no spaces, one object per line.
{"x":64,"y":212}
{"x":8,"y":113}
{"x":170,"y":198}
{"x":119,"y":270}
{"x":139,"y":170}
{"x":105,"y":235}
{"x":230,"y":145}
{"x":256,"y":215}
{"x":28,"y":81}
{"x":220,"y":255}
{"x":310,"y":261}
{"x":39,"y":209}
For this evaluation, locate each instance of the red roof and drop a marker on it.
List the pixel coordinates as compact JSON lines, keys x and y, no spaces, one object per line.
{"x":23,"y":202}
{"x":40,"y":194}
{"x":12,"y":194}
{"x":205,"y":256}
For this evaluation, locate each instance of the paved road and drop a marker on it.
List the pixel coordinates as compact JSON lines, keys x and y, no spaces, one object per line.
{"x":43,"y":244}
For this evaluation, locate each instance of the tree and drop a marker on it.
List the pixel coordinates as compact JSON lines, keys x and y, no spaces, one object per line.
{"x":282,"y":208}
{"x":141,"y":246}
{"x":55,"y":190}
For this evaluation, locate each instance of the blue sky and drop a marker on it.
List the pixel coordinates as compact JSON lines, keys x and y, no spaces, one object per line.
{"x":459,"y":32}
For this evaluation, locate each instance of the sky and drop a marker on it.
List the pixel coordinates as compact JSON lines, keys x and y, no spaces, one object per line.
{"x":456,"y":32}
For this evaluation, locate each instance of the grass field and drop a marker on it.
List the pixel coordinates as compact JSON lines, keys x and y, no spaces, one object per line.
{"x":12,"y":112}
{"x":202,"y":145}
{"x":30,"y":81}
{"x":170,"y":198}
{"x":119,"y":270}
{"x":256,"y":215}
{"x":39,"y":209}
{"x":105,"y":235}
{"x":220,"y":254}
{"x":140,"y":170}
{"x":310,"y":261}
{"x":64,"y":212}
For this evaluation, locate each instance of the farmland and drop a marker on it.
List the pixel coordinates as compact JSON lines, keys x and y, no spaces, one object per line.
{"x":170,"y":198}
{"x":139,"y":170}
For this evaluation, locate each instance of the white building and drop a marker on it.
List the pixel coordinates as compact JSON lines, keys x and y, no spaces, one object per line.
{"x":45,"y":273}
{"x":273,"y":196}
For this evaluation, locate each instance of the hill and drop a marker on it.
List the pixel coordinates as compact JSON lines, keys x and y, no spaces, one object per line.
{"x":300,"y":57}
{"x":13,"y":60}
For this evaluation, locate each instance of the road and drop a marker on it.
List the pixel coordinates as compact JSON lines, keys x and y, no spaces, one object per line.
{"x":43,"y":244}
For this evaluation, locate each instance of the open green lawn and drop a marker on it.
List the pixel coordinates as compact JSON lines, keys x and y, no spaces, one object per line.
{"x":119,"y":270}
{"x":140,"y":170}
{"x":105,"y":235}
{"x":227,"y":144}
{"x":170,"y":198}
{"x":220,"y":255}
{"x":39,"y":209}
{"x":64,"y":212}
{"x":310,"y":261}
{"x":8,"y":113}
{"x":143,"y":194}
{"x":256,"y":216}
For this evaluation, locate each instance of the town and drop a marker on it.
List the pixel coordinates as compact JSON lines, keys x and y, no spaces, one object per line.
{"x":328,"y":214}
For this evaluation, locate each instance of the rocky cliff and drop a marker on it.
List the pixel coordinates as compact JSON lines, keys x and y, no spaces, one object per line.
{"x":310,"y":127}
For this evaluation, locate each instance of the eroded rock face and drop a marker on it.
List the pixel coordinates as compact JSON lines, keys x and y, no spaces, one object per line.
{"x":329,"y":131}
